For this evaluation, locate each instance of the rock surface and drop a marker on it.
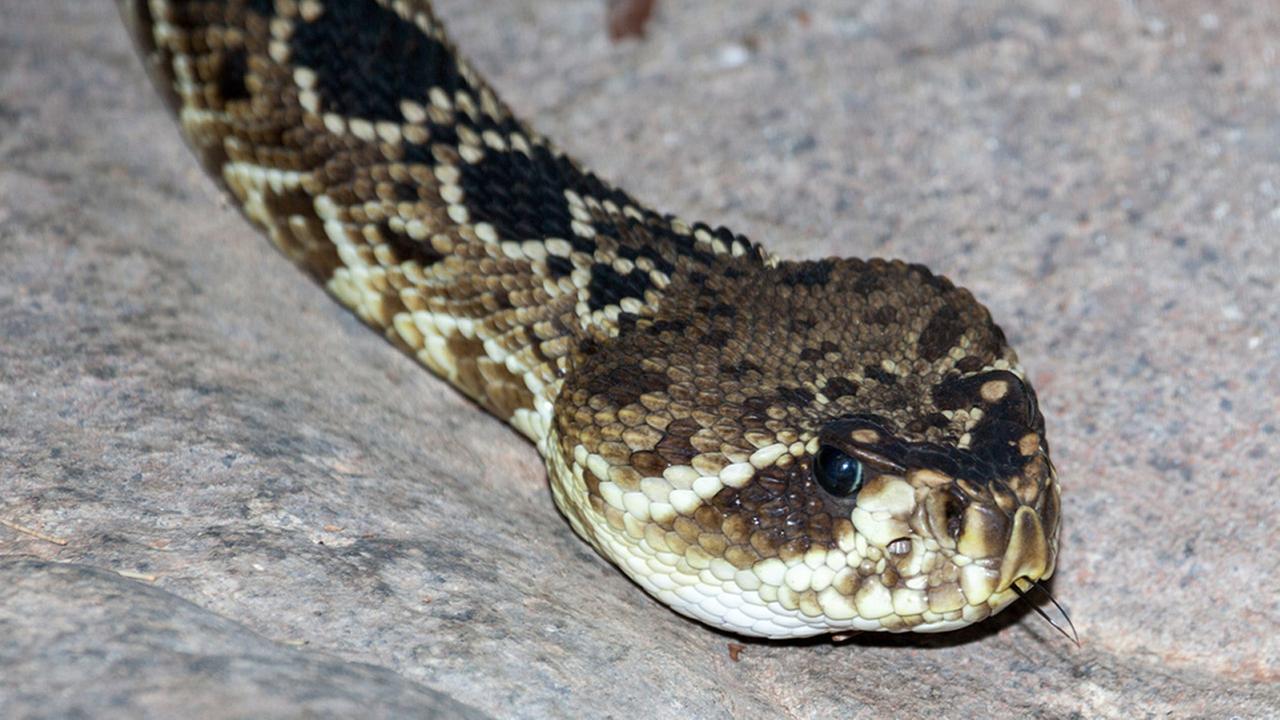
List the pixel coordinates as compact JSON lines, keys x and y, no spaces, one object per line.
{"x":308,"y":523}
{"x":104,"y":646}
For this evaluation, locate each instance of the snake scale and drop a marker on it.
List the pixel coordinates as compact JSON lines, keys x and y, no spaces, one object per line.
{"x":774,"y":448}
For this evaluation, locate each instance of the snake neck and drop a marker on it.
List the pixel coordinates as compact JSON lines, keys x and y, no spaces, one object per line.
{"x":379,"y":161}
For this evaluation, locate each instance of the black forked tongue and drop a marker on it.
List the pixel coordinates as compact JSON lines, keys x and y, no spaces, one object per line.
{"x":1072,"y":636}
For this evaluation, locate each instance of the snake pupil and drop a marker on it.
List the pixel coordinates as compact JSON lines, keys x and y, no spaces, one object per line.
{"x":837,"y":473}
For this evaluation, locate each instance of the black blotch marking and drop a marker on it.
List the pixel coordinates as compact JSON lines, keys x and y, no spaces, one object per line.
{"x":940,"y":334}
{"x":867,"y":282}
{"x":609,"y":287}
{"x":406,"y":248}
{"x":955,"y":392}
{"x":559,"y":266}
{"x":880,"y":375}
{"x":632,"y":253}
{"x":722,"y":310}
{"x":624,"y":384}
{"x":755,"y":409}
{"x":405,"y":192}
{"x":687,"y":245}
{"x":993,"y":448}
{"x":523,"y":196}
{"x":846,"y":423}
{"x":675,"y":447}
{"x":231,"y":75}
{"x":605,"y":227}
{"x":881,"y":315}
{"x":697,"y":279}
{"x":947,"y":460}
{"x":1018,"y":403}
{"x":837,"y":387}
{"x":937,"y":282}
{"x":672,"y":326}
{"x":970,"y":363}
{"x":740,"y":368}
{"x":937,"y":420}
{"x":265,"y":8}
{"x":716,"y":338}
{"x":932,"y":420}
{"x":289,"y":203}
{"x":794,"y":396}
{"x":367,"y":59}
{"x":502,"y":298}
{"x":808,"y":274}
{"x":993,"y":451}
{"x":583,"y":245}
{"x":993,"y":344}
{"x":811,"y":354}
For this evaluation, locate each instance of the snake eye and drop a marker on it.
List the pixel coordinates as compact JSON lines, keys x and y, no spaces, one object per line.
{"x":837,"y":473}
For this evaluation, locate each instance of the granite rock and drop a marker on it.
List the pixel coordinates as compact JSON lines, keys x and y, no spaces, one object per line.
{"x":85,"y":642}
{"x":308,"y":523}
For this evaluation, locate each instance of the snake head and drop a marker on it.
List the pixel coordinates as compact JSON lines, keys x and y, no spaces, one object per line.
{"x":834,"y":446}
{"x":952,"y":523}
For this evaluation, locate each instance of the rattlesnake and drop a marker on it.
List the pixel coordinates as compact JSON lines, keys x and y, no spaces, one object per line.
{"x":774,"y":448}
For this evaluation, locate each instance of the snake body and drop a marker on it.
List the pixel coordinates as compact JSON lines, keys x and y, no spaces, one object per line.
{"x":774,"y":448}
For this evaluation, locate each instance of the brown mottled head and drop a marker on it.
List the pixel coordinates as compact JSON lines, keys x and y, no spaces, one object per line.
{"x":801,"y":448}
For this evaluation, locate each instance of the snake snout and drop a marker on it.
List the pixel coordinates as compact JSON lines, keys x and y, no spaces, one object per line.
{"x":1027,"y":553}
{"x":996,"y":537}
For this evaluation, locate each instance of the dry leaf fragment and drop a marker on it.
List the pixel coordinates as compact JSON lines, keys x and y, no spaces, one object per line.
{"x":627,"y":18}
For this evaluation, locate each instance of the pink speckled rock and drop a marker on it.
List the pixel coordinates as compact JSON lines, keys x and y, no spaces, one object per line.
{"x":302,"y":502}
